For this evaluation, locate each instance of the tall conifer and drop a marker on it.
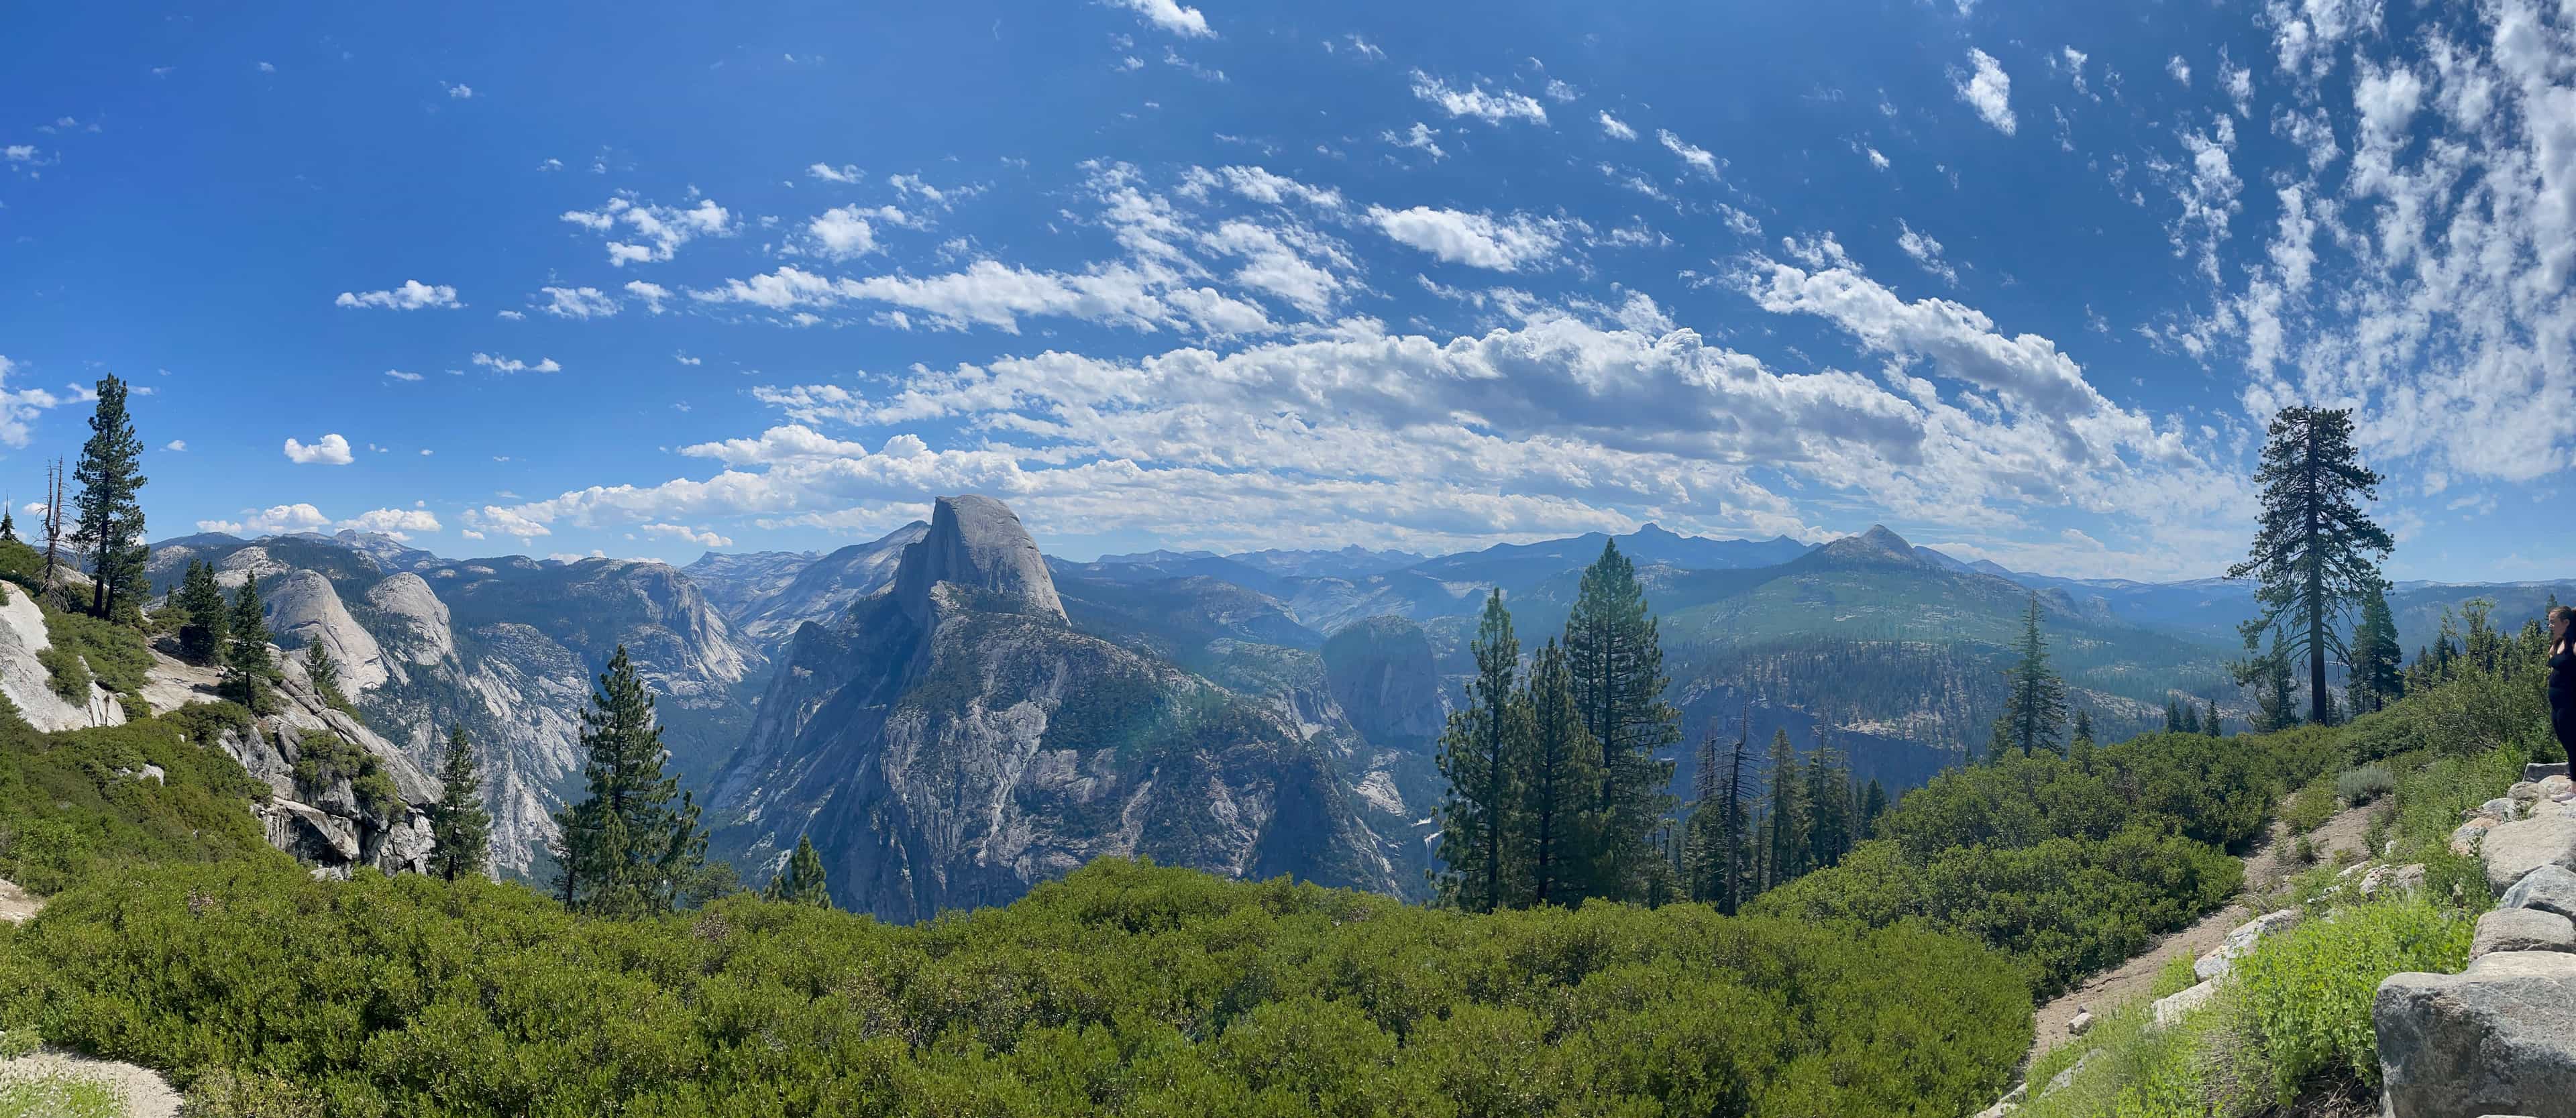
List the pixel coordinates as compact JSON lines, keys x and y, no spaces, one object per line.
{"x":2035,"y":708}
{"x":460,"y":829}
{"x":2316,"y":551}
{"x":248,"y":670}
{"x":1557,"y":777}
{"x":1617,"y":665}
{"x":1476,"y":753}
{"x":627,"y":849}
{"x":108,"y":515}
{"x":802,"y":882}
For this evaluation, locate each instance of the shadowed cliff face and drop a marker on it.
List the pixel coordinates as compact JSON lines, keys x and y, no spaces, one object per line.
{"x":952,"y":741}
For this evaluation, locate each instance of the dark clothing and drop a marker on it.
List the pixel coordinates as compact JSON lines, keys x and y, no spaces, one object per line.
{"x":2562,"y":699}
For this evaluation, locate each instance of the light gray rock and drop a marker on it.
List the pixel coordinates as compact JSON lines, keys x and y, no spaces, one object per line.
{"x":2061,"y":1079}
{"x":311,"y":834}
{"x":2171,"y":1009}
{"x":2522,"y":929}
{"x":27,"y":682}
{"x":2549,"y":889}
{"x":2523,"y":792}
{"x":2500,"y":808}
{"x":304,"y":609}
{"x":417,"y":626}
{"x":2080,"y":1024}
{"x":2499,"y":1038}
{"x":2514,"y":849}
{"x":2240,"y":943}
{"x":2408,"y":878}
{"x":978,"y":544}
{"x":2552,"y":786}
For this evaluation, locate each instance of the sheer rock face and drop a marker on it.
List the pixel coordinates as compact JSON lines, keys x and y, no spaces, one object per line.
{"x":304,"y":610}
{"x":976,"y":544}
{"x":1382,"y":672}
{"x":821,"y":590}
{"x":417,"y":627}
{"x":952,"y":742}
{"x":28,"y":683}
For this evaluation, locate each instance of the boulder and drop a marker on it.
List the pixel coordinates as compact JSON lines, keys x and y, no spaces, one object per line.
{"x":2542,"y":772}
{"x":2556,"y":786}
{"x":2522,"y":929}
{"x":2464,"y":839}
{"x":2523,"y":792}
{"x":2170,"y":1010}
{"x":2240,"y":942}
{"x":2514,"y":849}
{"x":2499,"y":1038}
{"x":2501,"y":808}
{"x":2549,"y":889}
{"x":2408,"y":878}
{"x":2080,"y":1025}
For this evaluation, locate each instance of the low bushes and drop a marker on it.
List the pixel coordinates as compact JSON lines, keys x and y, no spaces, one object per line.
{"x":1125,"y":989}
{"x":2362,"y":785}
{"x":73,"y":801}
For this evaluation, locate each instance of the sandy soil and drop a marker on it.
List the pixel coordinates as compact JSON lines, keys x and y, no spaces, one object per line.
{"x":145,"y":1093}
{"x":2271,"y":863}
{"x":17,"y":905}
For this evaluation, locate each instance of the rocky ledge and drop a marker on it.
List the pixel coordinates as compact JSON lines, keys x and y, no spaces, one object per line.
{"x":2500,"y":1037}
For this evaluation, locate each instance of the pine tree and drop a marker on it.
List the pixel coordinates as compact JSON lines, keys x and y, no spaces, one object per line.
{"x":248,"y":670}
{"x":1617,"y":663}
{"x":2035,"y":710}
{"x":2275,"y":694}
{"x":2378,"y":671}
{"x":2316,"y":552}
{"x":802,"y":882}
{"x":8,"y":522}
{"x":323,"y":673}
{"x":460,"y":830}
{"x":2191,"y":718}
{"x":208,"y":619}
{"x":1558,"y":773}
{"x":2083,"y":727}
{"x":2209,"y":724}
{"x":1786,"y":827}
{"x":1715,"y":856}
{"x":1828,"y":793}
{"x":627,"y":850}
{"x":2173,"y":715}
{"x":108,"y":517}
{"x":1873,"y":803}
{"x":1476,"y":752}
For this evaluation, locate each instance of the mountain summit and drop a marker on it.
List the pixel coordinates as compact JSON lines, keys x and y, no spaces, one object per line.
{"x":976,"y":543}
{"x":1877,"y":547}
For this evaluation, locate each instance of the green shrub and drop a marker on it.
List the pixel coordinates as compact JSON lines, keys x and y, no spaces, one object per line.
{"x":324,"y":758}
{"x":2310,"y":806}
{"x":65,"y":673}
{"x":2174,"y":977}
{"x":65,"y":810}
{"x":115,"y":653}
{"x":1125,"y":989}
{"x":2308,"y":992}
{"x":2362,"y":785}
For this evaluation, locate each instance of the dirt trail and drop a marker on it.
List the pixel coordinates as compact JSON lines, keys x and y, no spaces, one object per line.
{"x":2267,"y":867}
{"x":17,"y":906}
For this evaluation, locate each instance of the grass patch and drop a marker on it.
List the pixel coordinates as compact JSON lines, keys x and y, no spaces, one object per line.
{"x":59,"y":1096}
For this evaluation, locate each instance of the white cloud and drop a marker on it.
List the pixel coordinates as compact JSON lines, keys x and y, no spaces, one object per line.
{"x":2178,"y":69}
{"x":20,"y":406}
{"x":176,"y":445}
{"x":829,"y":173}
{"x":1987,"y":90}
{"x":273,"y":520}
{"x":1168,"y":15}
{"x":1699,"y":158}
{"x":460,"y":91}
{"x":653,"y":294}
{"x":842,"y":233}
{"x":778,"y":444}
{"x":514,"y":365}
{"x":332,"y":450}
{"x":1479,"y":240}
{"x":1926,"y":252}
{"x":1419,"y":138}
{"x":685,"y":359}
{"x":1492,"y":107}
{"x":578,"y":302}
{"x":512,"y":316}
{"x":654,"y":232}
{"x":398,"y":374}
{"x":397,"y":523}
{"x":411,"y":296}
{"x":1560,"y":92}
{"x":1616,"y":128}
{"x":267,"y":68}
{"x":699,"y":536}
{"x":19,"y":153}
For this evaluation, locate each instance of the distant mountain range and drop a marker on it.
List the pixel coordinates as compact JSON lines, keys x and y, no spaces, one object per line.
{"x":954,"y":716}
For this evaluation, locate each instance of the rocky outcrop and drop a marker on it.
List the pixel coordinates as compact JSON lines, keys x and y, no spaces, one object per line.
{"x":953,"y":741}
{"x":977,"y":545}
{"x":417,"y":628}
{"x":2499,"y":1037}
{"x":2240,"y":943}
{"x":29,"y":684}
{"x":304,"y":610}
{"x":1381,"y":671}
{"x":768,"y":610}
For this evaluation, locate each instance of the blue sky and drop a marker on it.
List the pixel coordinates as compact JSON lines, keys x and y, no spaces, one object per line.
{"x":2019,"y":280}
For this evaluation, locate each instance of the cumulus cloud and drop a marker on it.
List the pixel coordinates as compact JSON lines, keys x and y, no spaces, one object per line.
{"x":1987,"y":89}
{"x":273,"y":520}
{"x":700,"y":536}
{"x":20,"y":406}
{"x":1698,"y":158}
{"x":578,"y":302}
{"x":397,"y":523}
{"x":1490,"y":106}
{"x":842,"y":233}
{"x":515,"y":365}
{"x":1926,"y":252}
{"x":398,"y":374}
{"x":653,"y":294}
{"x":1506,"y":244}
{"x":1168,"y":15}
{"x":1615,"y":128}
{"x":652,"y":233}
{"x":411,"y":296}
{"x":331,"y":450}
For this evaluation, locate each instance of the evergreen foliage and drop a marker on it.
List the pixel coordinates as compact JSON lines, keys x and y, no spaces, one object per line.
{"x":2034,"y":718}
{"x":2316,"y":552}
{"x":2378,"y":664}
{"x":1476,"y":752}
{"x":1718,"y":866}
{"x":629,"y":848}
{"x":323,"y":673}
{"x":1784,"y":824}
{"x":459,"y":826}
{"x":206,"y":619}
{"x":2275,"y":691}
{"x":248,"y":670}
{"x":1617,"y":666}
{"x":803,"y":880}
{"x":108,"y":514}
{"x":1556,"y":774}
{"x":2083,"y":727}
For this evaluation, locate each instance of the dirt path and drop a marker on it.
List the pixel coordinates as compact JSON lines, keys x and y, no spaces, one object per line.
{"x":142,"y":1090}
{"x":17,"y":906}
{"x":2267,"y":866}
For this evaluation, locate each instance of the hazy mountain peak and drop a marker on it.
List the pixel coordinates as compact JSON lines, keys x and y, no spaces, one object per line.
{"x":978,"y":543}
